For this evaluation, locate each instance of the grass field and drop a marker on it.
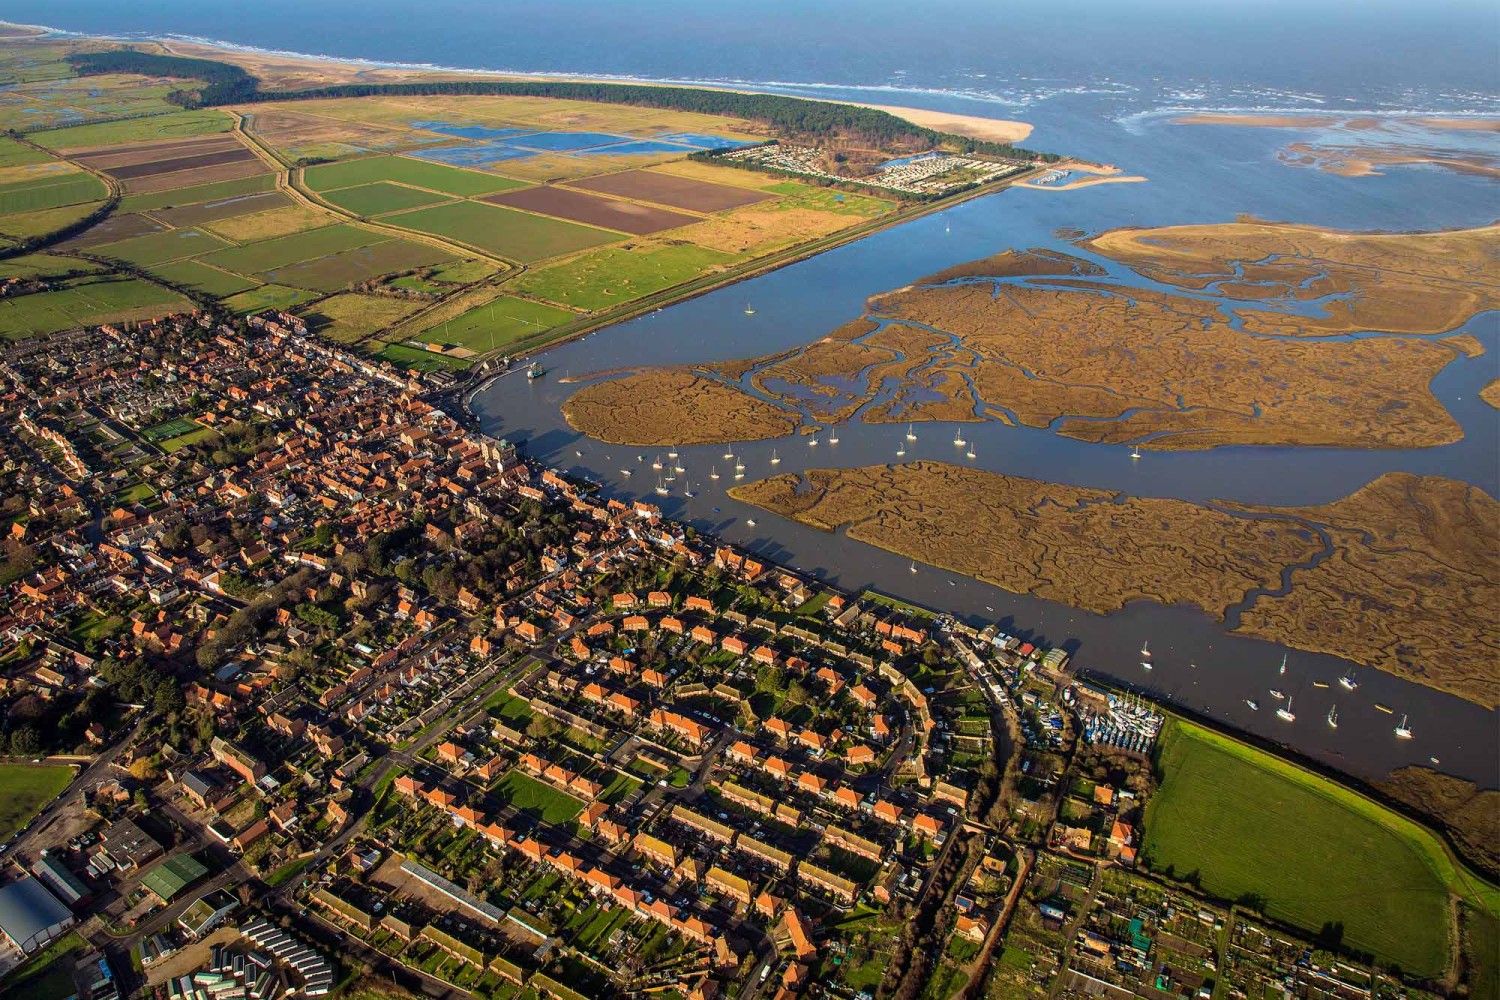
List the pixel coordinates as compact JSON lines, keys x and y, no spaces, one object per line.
{"x":198,"y":193}
{"x":50,"y":191}
{"x":173,"y":126}
{"x":1247,"y":826}
{"x":169,"y":429}
{"x":608,"y":277}
{"x":87,"y":302}
{"x":269,"y":225}
{"x":158,"y":248}
{"x":268,"y":255}
{"x":503,"y":230}
{"x":462,"y":273}
{"x":336,"y":271}
{"x":419,"y":361}
{"x":201,"y":277}
{"x":42,"y":265}
{"x":381,"y":197}
{"x":348,"y":318}
{"x":496,"y":324}
{"x":24,"y":789}
{"x":418,"y":173}
{"x":267,"y":297}
{"x":14,"y":154}
{"x":538,"y":798}
{"x":48,"y":220}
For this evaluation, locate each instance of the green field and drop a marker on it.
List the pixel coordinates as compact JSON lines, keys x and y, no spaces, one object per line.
{"x":14,"y":154}
{"x":25,"y":788}
{"x":87,"y":302}
{"x":173,"y":126}
{"x":380,"y":198}
{"x":335,"y":271}
{"x":418,"y":360}
{"x":418,"y":173}
{"x":50,"y":191}
{"x":608,"y":277}
{"x":267,"y":255}
{"x":197,"y":194}
{"x":523,"y":792}
{"x":496,"y":324}
{"x":201,"y":277}
{"x":799,"y":195}
{"x":158,"y":248}
{"x":503,"y":230}
{"x":462,"y":273}
{"x":169,"y":429}
{"x":42,"y":265}
{"x":267,"y":297}
{"x":1248,"y":826}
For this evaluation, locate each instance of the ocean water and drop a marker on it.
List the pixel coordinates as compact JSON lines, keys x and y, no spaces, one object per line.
{"x":1098,"y":80}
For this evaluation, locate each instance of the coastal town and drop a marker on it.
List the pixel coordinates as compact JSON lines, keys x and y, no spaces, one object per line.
{"x":344,"y":690}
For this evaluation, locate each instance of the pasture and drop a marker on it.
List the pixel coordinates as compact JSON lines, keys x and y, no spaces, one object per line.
{"x":334,"y":271}
{"x":25,"y":789}
{"x":269,"y":225}
{"x":198,"y":194}
{"x":1246,"y":826}
{"x":380,"y":198}
{"x":283,"y":251}
{"x":404,"y":170}
{"x":350,"y":318}
{"x":503,"y":231}
{"x":86,"y":302}
{"x":112,"y":230}
{"x":614,"y":275}
{"x":151,"y":129}
{"x":608,"y":213}
{"x":202,"y":278}
{"x":50,"y":191}
{"x":267,"y":297}
{"x":48,"y":220}
{"x":158,"y":248}
{"x":222,"y":208}
{"x":44,"y":265}
{"x":497,"y":324}
{"x":676,"y":192}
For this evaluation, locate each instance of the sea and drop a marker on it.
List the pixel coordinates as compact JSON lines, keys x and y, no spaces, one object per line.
{"x":1098,"y":80}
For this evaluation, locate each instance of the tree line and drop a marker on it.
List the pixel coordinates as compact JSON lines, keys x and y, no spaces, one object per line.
{"x":228,"y":84}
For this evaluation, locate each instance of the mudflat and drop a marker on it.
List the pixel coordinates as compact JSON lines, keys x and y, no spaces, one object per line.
{"x":1371,"y":581}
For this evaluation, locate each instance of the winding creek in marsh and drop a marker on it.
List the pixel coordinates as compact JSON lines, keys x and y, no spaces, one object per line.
{"x":1196,"y":175}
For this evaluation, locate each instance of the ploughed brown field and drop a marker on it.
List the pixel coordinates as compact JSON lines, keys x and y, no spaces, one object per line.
{"x":198,"y":175}
{"x":196,"y":162}
{"x":116,"y":227}
{"x":1406,"y":582}
{"x":107,"y":157}
{"x":226,"y":208}
{"x":678,"y":192}
{"x":606,"y":213}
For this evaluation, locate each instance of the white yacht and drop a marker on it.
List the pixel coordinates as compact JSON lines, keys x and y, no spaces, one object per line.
{"x":775,"y":458}
{"x":1347,"y":682}
{"x":1333,"y":717}
{"x":1135,"y":453}
{"x":1284,"y":713}
{"x":958,"y":438}
{"x":1145,"y":650}
{"x":1403,"y":731}
{"x":911,"y":435}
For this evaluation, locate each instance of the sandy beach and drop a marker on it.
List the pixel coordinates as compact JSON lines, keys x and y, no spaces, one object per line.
{"x":1359,"y":123}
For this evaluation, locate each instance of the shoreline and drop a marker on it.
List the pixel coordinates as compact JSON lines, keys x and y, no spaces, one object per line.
{"x":1370,"y":121}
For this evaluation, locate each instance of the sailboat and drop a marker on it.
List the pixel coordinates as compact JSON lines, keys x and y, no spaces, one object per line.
{"x":740,"y":474}
{"x":958,"y":438}
{"x":673,"y":453}
{"x":1347,"y":682}
{"x":729,"y":454}
{"x":749,"y":310}
{"x":626,"y":472}
{"x":671,"y":477}
{"x":775,"y":458}
{"x":1277,"y":693}
{"x":656,"y":463}
{"x":970,"y":452}
{"x":1281,"y":671}
{"x":661,"y":488}
{"x":1145,"y":650}
{"x":688,"y":491}
{"x":1333,"y":717}
{"x":1285,"y":712}
{"x":1254,"y":705}
{"x":1145,"y":664}
{"x":713,"y":472}
{"x":678,"y":468}
{"x":900,"y":449}
{"x":1135,"y":453}
{"x":1403,"y":731}
{"x":739,"y":466}
{"x":913,"y":567}
{"x":833,"y":436}
{"x":911,"y":435}
{"x":812,"y":442}
{"x":750,"y":522}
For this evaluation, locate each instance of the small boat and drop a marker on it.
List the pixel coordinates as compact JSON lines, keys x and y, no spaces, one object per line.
{"x":900,"y":450}
{"x":1254,"y":705}
{"x":1282,"y":670}
{"x":679,"y":468}
{"x":713,"y":472}
{"x":739,"y":475}
{"x":911,"y":435}
{"x":812,"y":442}
{"x":673,"y":452}
{"x":1135,"y":453}
{"x":689,"y":491}
{"x":1145,"y":664}
{"x":775,"y":458}
{"x":671,"y":479}
{"x":970,"y":452}
{"x":1285,"y":712}
{"x":1383,"y":708}
{"x":536,"y":371}
{"x":626,"y":472}
{"x":1146,"y":650}
{"x":640,"y":458}
{"x":1277,"y":694}
{"x":1333,"y":717}
{"x":958,"y":439}
{"x":751,"y":522}
{"x":729,"y":455}
{"x":913,"y":567}
{"x":661,"y":490}
{"x":1347,"y":682}
{"x":833,"y":437}
{"x":739,"y":466}
{"x":577,"y":453}
{"x":1320,"y":684}
{"x":1403,"y":731}
{"x":1433,"y":760}
{"x":749,"y":310}
{"x":656,"y":464}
